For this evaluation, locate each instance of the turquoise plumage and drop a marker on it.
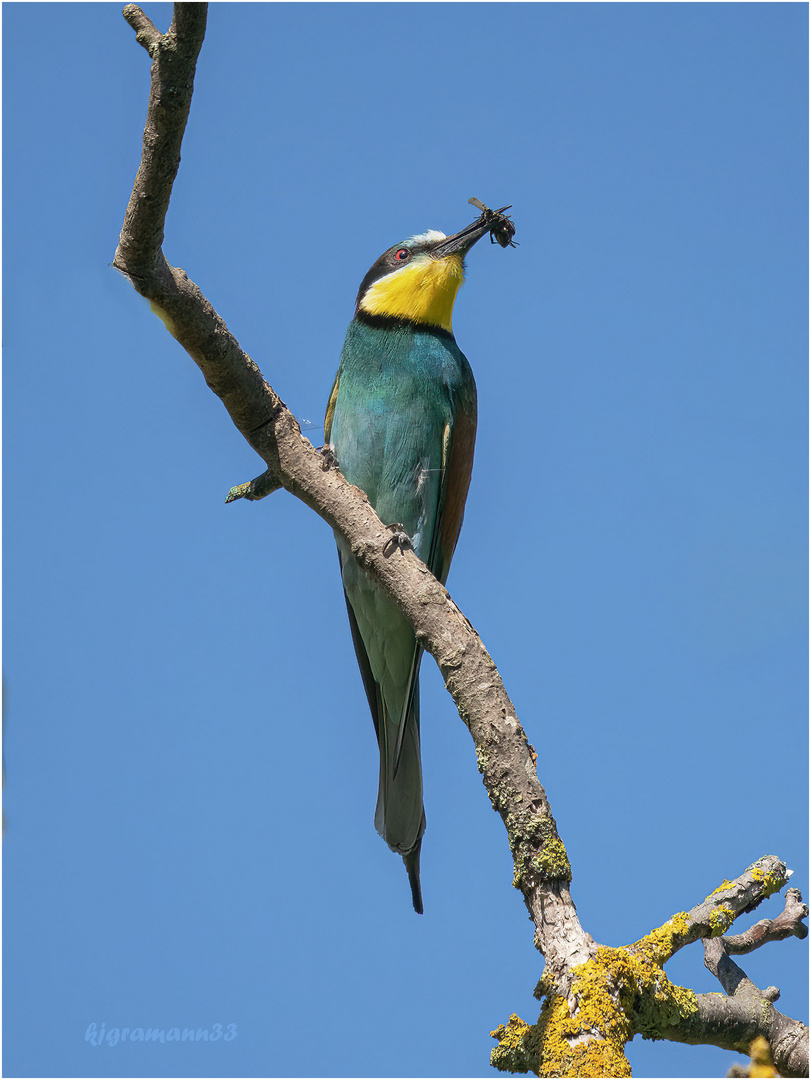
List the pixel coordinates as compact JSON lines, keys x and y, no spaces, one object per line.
{"x":402,"y":424}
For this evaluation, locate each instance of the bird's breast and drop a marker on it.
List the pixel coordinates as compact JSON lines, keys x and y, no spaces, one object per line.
{"x":393,"y":405}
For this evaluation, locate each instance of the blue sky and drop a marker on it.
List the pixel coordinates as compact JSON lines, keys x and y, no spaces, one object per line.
{"x":191,"y":768}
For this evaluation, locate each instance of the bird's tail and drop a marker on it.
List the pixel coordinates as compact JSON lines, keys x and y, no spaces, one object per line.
{"x":400,"y":817}
{"x":412,"y":865}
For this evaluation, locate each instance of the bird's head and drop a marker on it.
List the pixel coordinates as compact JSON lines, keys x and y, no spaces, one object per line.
{"x":417,"y":281}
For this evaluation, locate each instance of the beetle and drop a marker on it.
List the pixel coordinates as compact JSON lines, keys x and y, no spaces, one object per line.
{"x":502,"y":230}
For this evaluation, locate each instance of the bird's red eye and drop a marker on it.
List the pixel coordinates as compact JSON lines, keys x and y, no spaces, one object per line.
{"x":403,"y":254}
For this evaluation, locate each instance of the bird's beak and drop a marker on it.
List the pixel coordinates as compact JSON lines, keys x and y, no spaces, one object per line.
{"x":460,"y":243}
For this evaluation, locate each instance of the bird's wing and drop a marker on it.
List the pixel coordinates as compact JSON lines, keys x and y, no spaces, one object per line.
{"x":416,"y":658}
{"x":457,"y":464}
{"x":370,"y":684}
{"x":458,"y":443}
{"x":333,"y":397}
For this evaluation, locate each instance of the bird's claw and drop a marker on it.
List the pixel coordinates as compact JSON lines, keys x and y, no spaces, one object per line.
{"x":399,"y":539}
{"x":330,"y":460}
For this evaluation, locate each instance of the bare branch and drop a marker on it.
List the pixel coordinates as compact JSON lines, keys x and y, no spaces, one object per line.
{"x":747,"y":1012}
{"x":255,"y":489}
{"x":788,"y":924}
{"x":146,"y":33}
{"x":731,"y":1023}
{"x":717,"y":913}
{"x":174,"y":56}
{"x":731,"y":977}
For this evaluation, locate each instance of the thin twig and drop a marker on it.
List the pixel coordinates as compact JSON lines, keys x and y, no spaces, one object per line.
{"x":258,"y":488}
{"x":789,"y":923}
{"x":146,"y":33}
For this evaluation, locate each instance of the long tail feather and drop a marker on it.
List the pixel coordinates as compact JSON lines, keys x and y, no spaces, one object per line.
{"x":400,"y":817}
{"x":412,"y":865}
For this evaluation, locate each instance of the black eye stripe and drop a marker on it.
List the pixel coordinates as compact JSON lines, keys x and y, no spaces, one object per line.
{"x":388,"y":263}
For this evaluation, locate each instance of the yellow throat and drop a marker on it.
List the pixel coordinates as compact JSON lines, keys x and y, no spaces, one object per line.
{"x":423,"y":291}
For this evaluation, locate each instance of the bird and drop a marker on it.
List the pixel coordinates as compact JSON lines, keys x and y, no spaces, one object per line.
{"x":401,"y":425}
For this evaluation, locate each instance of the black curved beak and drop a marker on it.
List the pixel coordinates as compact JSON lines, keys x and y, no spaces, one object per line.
{"x":460,"y":243}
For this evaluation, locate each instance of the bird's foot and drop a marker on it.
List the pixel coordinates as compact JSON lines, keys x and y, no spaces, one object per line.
{"x":399,"y":539}
{"x":330,"y":460}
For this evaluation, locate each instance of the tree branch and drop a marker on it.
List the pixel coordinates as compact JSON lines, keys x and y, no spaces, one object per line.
{"x":625,"y":992}
{"x":747,"y":1011}
{"x":788,"y":924}
{"x":255,"y":489}
{"x":732,"y":1022}
{"x":716,"y":914}
{"x":174,"y":57}
{"x":146,"y":33}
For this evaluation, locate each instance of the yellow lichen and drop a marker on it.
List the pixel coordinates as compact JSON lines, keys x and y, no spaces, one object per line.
{"x":553,"y":862}
{"x":660,"y":944}
{"x":516,"y":1050}
{"x":772,"y":881}
{"x":590,"y":1041}
{"x":617,"y":994}
{"x":761,"y":1055}
{"x":722,"y":888}
{"x":720,"y":920}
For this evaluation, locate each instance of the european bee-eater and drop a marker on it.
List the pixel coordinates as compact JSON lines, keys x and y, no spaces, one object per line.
{"x":401,"y":422}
